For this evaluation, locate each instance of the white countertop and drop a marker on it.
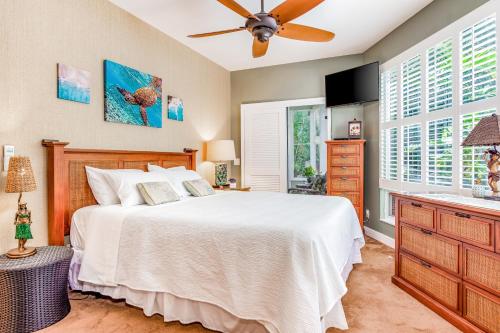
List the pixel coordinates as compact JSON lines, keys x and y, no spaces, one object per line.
{"x":461,"y":200}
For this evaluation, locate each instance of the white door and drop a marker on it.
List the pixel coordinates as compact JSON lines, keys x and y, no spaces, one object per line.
{"x":264,"y":147}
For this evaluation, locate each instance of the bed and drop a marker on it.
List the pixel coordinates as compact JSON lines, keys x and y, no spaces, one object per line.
{"x":233,"y":261}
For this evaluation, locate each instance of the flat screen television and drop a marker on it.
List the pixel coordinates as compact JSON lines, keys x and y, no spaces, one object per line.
{"x":356,"y":85}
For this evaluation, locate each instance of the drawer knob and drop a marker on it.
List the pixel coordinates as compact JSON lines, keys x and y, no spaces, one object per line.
{"x":426,"y":265}
{"x":414,"y":204}
{"x":463,"y":215}
{"x":343,"y":156}
{"x":344,"y":178}
{"x":344,"y":168}
{"x":427,"y":232}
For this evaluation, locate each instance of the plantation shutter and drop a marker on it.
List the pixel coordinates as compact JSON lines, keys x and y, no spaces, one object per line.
{"x":265,"y":149}
{"x":478,"y":60}
{"x":389,"y":158}
{"x":440,"y":152}
{"x":473,"y":165}
{"x":411,"y":87}
{"x":412,"y":153}
{"x":389,"y":96}
{"x":439,"y":76}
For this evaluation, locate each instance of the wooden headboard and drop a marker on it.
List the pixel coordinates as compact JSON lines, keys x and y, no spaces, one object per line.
{"x":68,"y":189}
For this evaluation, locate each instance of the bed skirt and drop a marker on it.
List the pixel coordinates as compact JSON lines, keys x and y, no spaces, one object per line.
{"x":187,"y":311}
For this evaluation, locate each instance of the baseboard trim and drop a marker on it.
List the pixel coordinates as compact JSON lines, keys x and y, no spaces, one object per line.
{"x":384,"y":239}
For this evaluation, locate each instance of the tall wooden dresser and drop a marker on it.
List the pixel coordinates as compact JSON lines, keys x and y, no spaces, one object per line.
{"x":345,"y":172}
{"x":448,"y":257}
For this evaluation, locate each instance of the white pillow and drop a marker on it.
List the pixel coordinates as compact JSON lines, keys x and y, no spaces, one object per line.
{"x":152,"y":167}
{"x":103,"y":193}
{"x":178,"y":177}
{"x":125,"y":186}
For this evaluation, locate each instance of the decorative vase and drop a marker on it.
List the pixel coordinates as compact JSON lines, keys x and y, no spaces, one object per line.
{"x":478,"y":190}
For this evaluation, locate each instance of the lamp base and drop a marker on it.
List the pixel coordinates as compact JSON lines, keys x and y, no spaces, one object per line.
{"x":221,"y":174}
{"x":16,"y":254}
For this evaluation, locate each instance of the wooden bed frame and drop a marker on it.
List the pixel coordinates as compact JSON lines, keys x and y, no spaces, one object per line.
{"x":68,"y":189}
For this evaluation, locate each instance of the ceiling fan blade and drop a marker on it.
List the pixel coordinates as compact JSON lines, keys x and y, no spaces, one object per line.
{"x":237,"y":8}
{"x":259,"y":48}
{"x":303,"y":32}
{"x":291,"y":9}
{"x":215,"y":33}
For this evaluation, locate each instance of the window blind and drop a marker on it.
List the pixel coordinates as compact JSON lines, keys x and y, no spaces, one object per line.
{"x":440,"y":152}
{"x":478,"y":60}
{"x":473,"y":165}
{"x":389,"y":158}
{"x":412,"y":153}
{"x":389,"y":95}
{"x":411,"y":86}
{"x":439,"y":76}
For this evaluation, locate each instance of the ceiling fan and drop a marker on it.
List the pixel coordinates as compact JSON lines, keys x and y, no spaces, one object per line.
{"x":264,"y":25}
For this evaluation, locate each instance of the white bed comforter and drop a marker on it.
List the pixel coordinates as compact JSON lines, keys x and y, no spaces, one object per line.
{"x":271,"y":257}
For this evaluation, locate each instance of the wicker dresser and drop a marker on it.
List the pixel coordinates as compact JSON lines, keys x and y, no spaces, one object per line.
{"x":344,"y":175}
{"x":34,"y":290}
{"x":448,"y":257}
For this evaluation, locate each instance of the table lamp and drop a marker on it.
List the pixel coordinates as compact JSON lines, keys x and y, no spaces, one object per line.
{"x":487,"y":133}
{"x":219,"y":152}
{"x":20,"y":179}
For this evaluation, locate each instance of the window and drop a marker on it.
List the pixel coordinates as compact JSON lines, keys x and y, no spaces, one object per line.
{"x":411,"y":88}
{"x":439,"y":76}
{"x":478,"y":55}
{"x":439,"y":157}
{"x":443,"y":85}
{"x":473,"y":165}
{"x":389,"y":152}
{"x":412,"y":153}
{"x":389,"y":95}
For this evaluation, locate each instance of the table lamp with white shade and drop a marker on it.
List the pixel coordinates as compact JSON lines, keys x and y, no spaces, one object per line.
{"x":219,"y":152}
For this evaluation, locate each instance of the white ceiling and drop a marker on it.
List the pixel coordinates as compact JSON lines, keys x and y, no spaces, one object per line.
{"x":358,"y":24}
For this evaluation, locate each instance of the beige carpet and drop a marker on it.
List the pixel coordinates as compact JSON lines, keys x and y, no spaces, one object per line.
{"x":373,"y":304}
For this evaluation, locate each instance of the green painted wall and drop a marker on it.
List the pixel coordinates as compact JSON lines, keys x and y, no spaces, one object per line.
{"x":305,"y":80}
{"x":437,"y":15}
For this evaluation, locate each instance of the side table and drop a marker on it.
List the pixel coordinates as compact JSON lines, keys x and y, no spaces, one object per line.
{"x":34,"y":290}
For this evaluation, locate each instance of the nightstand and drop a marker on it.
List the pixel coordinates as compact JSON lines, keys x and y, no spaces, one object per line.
{"x":227,"y":188}
{"x":34,"y":290}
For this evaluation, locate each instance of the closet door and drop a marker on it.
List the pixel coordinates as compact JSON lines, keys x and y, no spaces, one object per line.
{"x":264,"y":147}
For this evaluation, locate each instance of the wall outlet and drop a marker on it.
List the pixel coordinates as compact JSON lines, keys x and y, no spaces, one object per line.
{"x":367,"y":214}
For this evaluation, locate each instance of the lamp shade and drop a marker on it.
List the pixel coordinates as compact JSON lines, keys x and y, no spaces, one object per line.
{"x":220,"y":150}
{"x":20,"y":176}
{"x":485,"y":133}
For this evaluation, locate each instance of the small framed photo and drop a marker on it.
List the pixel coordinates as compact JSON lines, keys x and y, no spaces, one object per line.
{"x":354,"y":129}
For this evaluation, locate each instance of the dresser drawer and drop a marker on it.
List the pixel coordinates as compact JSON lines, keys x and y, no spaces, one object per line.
{"x":345,"y":171}
{"x":344,"y":149}
{"x":353,"y":196}
{"x":344,"y":184}
{"x":344,"y":160}
{"x":482,"y":308}
{"x":429,"y":246}
{"x":417,"y":214}
{"x":441,"y":286}
{"x":482,"y":268}
{"x":468,"y":228}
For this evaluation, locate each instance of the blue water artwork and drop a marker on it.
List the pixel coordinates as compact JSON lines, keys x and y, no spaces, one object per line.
{"x":175,"y":109}
{"x":131,"y":97}
{"x":73,"y":84}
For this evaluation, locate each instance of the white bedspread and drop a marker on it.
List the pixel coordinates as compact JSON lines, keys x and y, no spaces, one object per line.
{"x":270,"y":257}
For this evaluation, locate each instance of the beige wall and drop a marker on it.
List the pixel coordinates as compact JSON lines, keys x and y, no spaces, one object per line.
{"x":37,"y":34}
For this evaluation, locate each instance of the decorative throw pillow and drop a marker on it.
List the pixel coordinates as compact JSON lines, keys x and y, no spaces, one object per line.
{"x":199,"y":187}
{"x":177,"y":177}
{"x":157,"y":193}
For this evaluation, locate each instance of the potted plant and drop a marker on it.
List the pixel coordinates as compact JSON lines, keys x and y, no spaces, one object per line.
{"x":309,"y":173}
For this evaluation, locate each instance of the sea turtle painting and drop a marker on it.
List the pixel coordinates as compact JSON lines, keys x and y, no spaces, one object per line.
{"x":131,"y":96}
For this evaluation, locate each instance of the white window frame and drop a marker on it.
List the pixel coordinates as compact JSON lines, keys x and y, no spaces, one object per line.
{"x":455,"y":111}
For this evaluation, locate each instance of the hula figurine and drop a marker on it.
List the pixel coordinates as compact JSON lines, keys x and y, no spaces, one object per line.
{"x":494,"y":169}
{"x":23,"y":226}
